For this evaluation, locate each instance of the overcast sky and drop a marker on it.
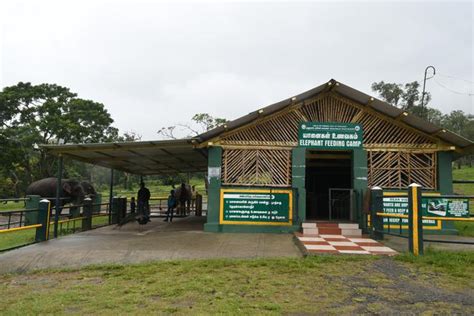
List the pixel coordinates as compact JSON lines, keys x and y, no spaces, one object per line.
{"x":156,"y":64}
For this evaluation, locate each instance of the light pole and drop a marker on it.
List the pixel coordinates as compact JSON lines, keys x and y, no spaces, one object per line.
{"x":424,"y":84}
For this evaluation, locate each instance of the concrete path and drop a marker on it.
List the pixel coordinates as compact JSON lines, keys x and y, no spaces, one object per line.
{"x":182,"y":239}
{"x":401,"y":244}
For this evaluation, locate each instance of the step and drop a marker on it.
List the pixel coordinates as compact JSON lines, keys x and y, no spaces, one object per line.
{"x":348,"y":226}
{"x":310,"y":231}
{"x":351,"y":232}
{"x":308,"y":225}
{"x":327,"y":224}
{"x":330,"y":231}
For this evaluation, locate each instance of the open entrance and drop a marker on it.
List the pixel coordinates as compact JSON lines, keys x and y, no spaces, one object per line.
{"x":328,"y":185}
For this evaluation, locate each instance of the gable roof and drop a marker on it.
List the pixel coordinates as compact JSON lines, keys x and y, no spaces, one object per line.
{"x":354,"y":95}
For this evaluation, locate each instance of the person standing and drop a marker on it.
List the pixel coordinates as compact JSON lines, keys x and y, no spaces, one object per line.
{"x":143,"y":201}
{"x":171,"y":206}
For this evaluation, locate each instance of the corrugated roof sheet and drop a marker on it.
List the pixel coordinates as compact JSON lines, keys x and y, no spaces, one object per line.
{"x":144,"y":158}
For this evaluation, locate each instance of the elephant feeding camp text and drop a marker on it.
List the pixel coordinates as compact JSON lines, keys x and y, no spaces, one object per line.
{"x":330,"y":135}
{"x":256,"y":207}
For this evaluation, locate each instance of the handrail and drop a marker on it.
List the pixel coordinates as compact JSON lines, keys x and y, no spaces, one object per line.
{"x":463,"y":181}
{"x":20,"y":211}
{"x":14,"y":199}
{"x":463,"y":219}
{"x":391,"y":215}
{"x":436,"y":218}
{"x":9,"y":230}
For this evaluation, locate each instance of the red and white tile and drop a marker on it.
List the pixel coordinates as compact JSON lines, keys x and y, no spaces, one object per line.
{"x":339,"y":244}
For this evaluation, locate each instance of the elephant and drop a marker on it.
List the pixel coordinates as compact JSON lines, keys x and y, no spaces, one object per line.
{"x":71,"y":189}
{"x":183,"y":196}
{"x":88,"y":189}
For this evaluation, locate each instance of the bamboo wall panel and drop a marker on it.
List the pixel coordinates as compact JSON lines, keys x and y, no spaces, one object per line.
{"x":256,"y":167}
{"x":397,"y":170}
{"x":282,"y":128}
{"x":260,"y":153}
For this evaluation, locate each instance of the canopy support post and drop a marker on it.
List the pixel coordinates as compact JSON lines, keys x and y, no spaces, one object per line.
{"x":111,"y":194}
{"x":58,"y":195}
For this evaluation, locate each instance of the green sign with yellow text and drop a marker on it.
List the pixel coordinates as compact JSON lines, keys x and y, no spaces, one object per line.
{"x":430,"y":207}
{"x":256,"y":206}
{"x":330,"y":135}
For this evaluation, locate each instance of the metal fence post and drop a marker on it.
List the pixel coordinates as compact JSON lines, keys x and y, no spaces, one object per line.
{"x":44,"y":209}
{"x":114,"y":210}
{"x":376,"y":205}
{"x":87,"y":214}
{"x":198,"y":203}
{"x":415,"y":224}
{"x":59,"y":190}
{"x":31,"y":203}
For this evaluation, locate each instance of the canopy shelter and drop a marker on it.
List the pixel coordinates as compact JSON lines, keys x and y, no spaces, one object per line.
{"x":142,"y":158}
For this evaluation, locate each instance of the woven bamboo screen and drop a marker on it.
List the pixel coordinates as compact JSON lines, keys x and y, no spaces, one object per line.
{"x":383,"y":139}
{"x":397,"y":170}
{"x":256,"y":167}
{"x":282,"y":129}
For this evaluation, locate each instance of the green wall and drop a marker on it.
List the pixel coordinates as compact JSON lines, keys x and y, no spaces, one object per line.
{"x":359,"y":182}
{"x":298,"y":182}
{"x":445,"y":186}
{"x":213,"y":191}
{"x":212,"y":225}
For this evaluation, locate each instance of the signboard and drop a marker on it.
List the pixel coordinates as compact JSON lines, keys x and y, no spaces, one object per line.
{"x":447,"y":207}
{"x":399,"y":205}
{"x":214,"y":172}
{"x":256,"y":207}
{"x":330,"y":135}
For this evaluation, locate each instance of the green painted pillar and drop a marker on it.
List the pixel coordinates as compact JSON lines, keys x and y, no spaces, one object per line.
{"x":359,"y":183}
{"x":87,"y":214}
{"x":44,"y":210}
{"x":97,"y":201}
{"x":213,"y":190}
{"x":298,"y":182}
{"x":376,"y":205}
{"x":32,"y":203}
{"x":445,"y":172}
{"x":445,"y":183}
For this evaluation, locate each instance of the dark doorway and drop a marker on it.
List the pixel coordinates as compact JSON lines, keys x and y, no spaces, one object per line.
{"x":327,"y":170}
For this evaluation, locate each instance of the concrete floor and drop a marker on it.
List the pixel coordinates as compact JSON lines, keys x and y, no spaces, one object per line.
{"x":401,"y":244}
{"x":132,"y":243}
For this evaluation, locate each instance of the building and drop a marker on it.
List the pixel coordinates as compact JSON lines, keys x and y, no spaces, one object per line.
{"x":312,"y":156}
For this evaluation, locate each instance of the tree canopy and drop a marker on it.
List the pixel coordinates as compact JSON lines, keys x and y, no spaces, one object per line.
{"x":45,"y":114}
{"x":408,"y":97}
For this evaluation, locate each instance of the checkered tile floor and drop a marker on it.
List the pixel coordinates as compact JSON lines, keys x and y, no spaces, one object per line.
{"x":341,"y":244}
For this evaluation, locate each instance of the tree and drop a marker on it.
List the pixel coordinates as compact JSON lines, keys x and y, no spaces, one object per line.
{"x":203,"y":121}
{"x":31,"y":115}
{"x":408,"y":97}
{"x":405,"y":96}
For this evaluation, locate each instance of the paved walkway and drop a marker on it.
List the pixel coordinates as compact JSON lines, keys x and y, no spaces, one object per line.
{"x":182,"y":239}
{"x":339,"y":244}
{"x":401,"y":244}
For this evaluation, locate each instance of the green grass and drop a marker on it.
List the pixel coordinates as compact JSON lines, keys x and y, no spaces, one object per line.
{"x":465,"y":173}
{"x":12,"y":206}
{"x":457,"y":264}
{"x":318,"y":284}
{"x":24,"y":237}
{"x":17,"y":238}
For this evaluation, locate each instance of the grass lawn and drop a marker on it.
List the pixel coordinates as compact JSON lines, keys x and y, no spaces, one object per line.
{"x":322,"y":284}
{"x":465,"y":173}
{"x":24,"y":237}
{"x":12,"y":206}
